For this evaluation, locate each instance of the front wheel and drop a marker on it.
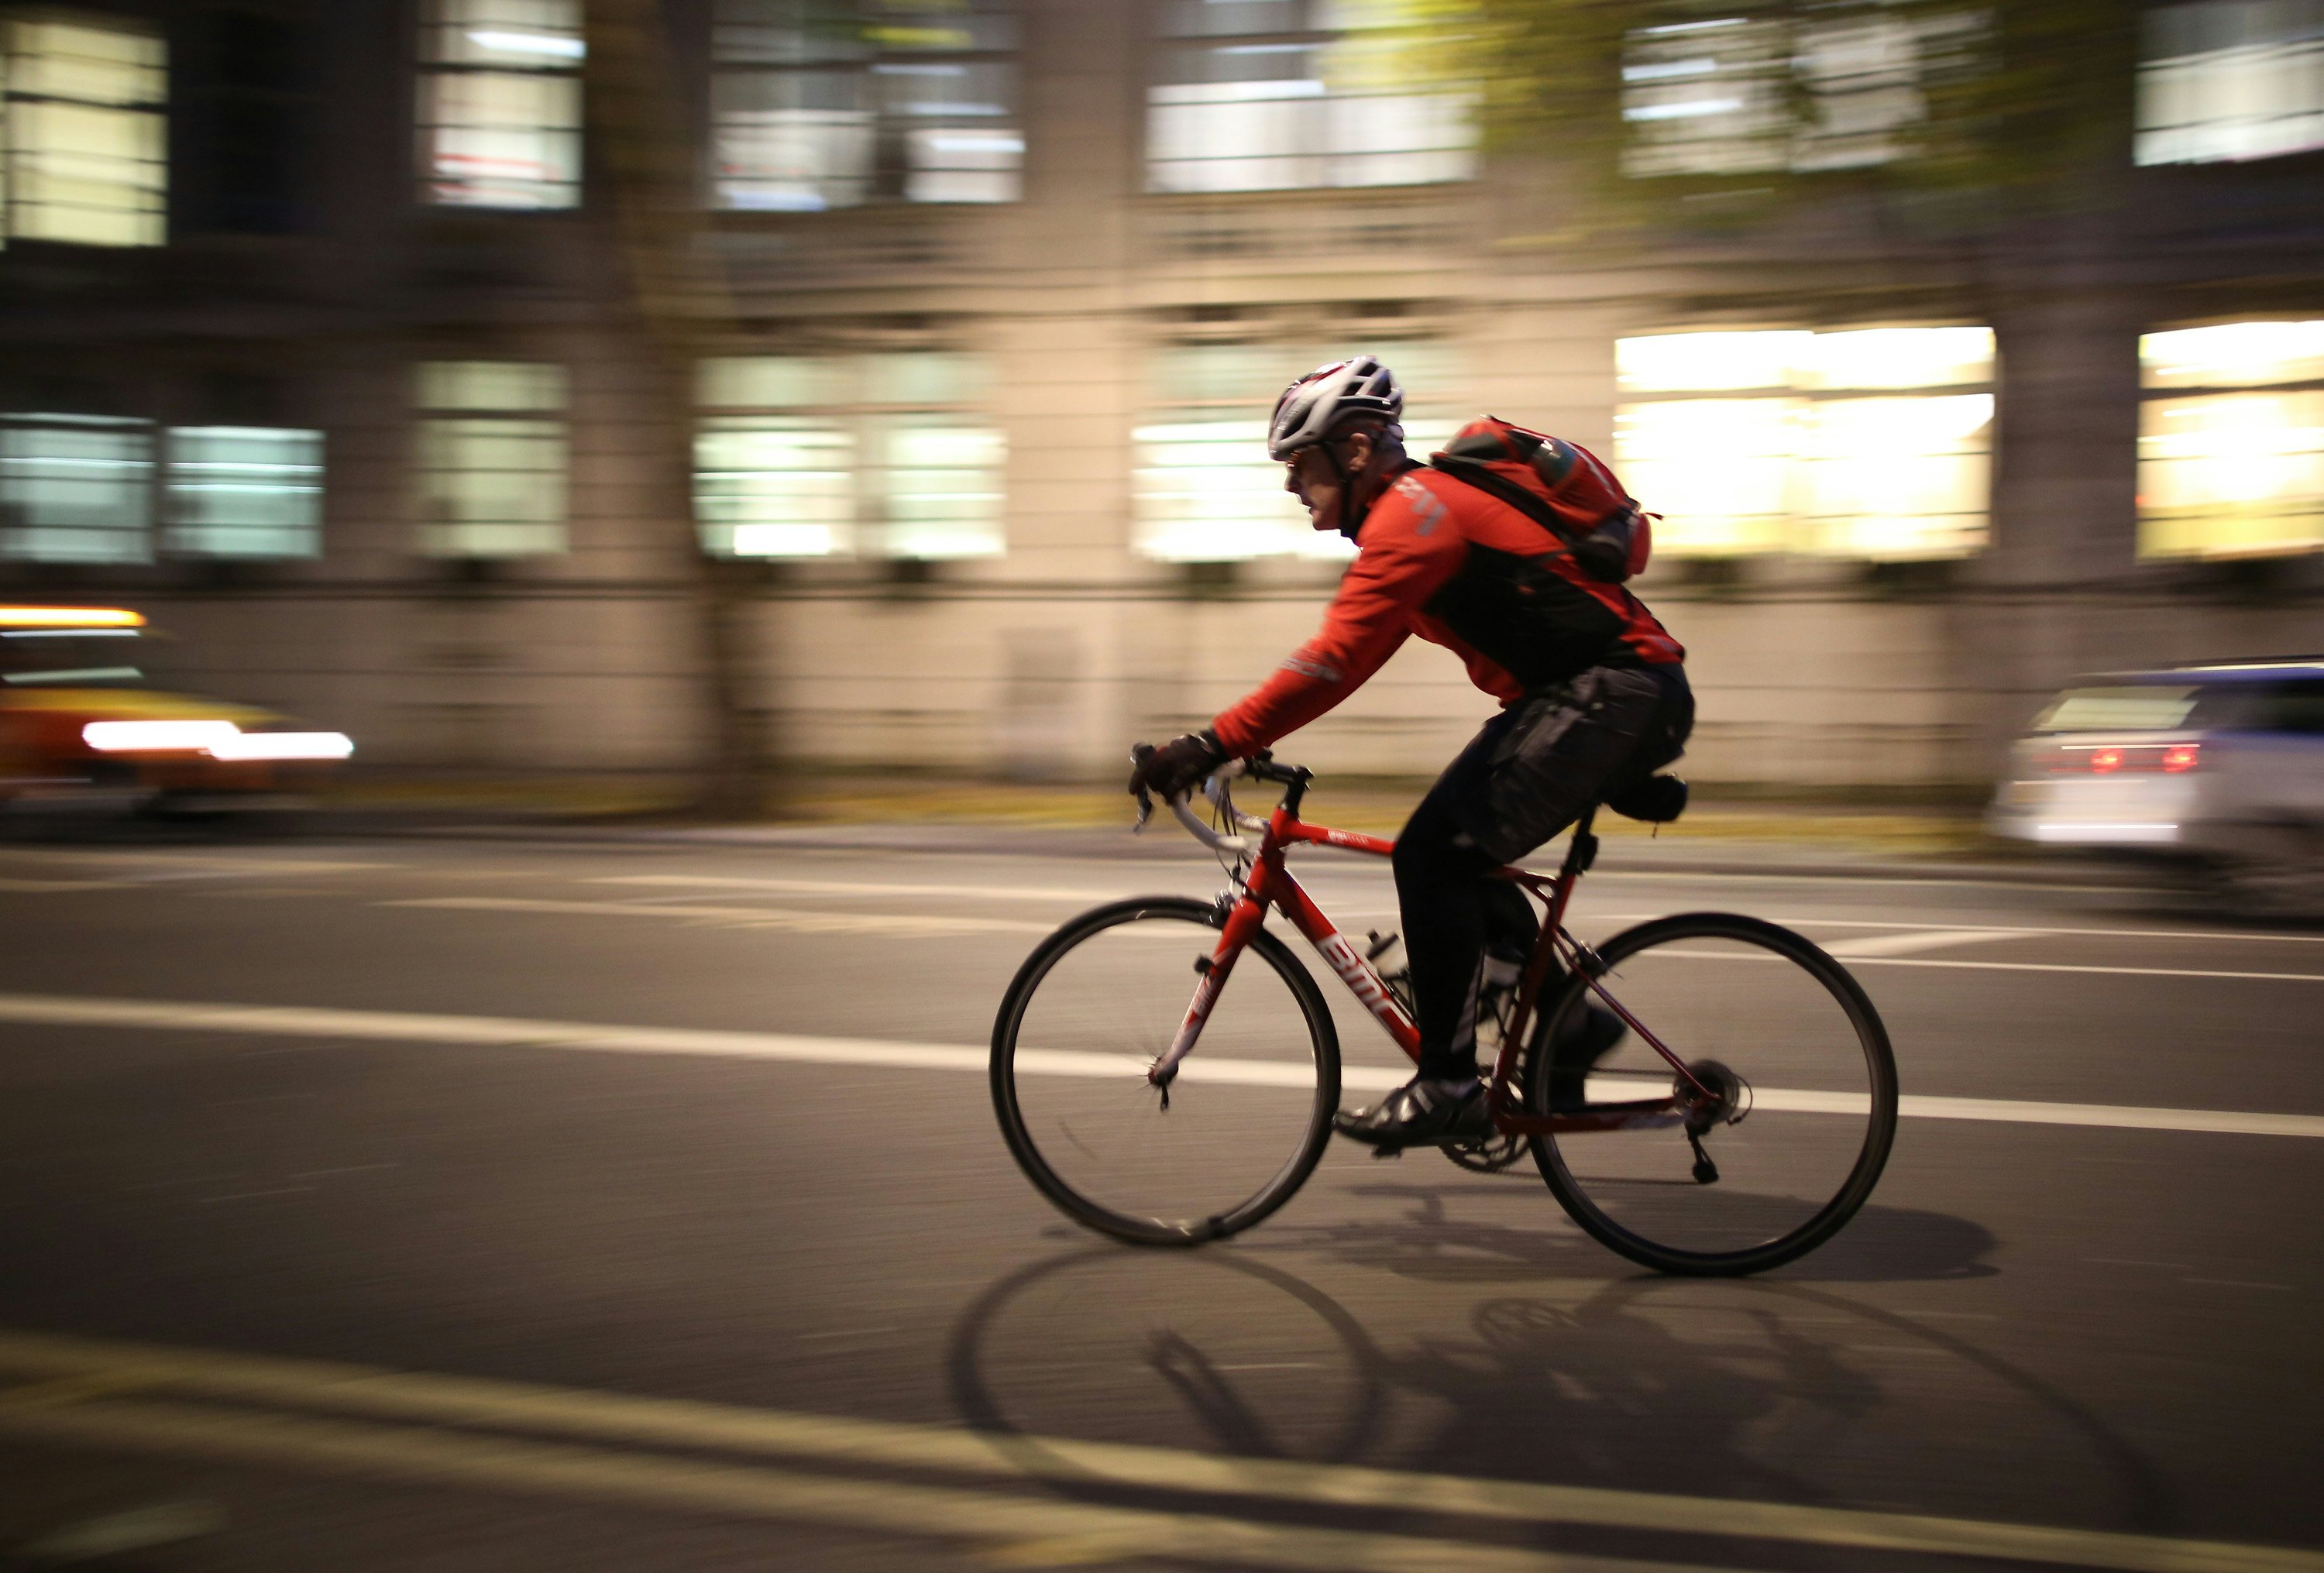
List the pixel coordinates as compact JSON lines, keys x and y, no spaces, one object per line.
{"x":1241,"y":1125}
{"x":1784,"y":1125}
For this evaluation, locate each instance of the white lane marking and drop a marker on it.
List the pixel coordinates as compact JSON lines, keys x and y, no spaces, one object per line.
{"x":2245,"y":935}
{"x":777,"y":917}
{"x":1925,"y":939}
{"x":1777,"y":876}
{"x":1595,"y":919}
{"x":511,"y":1032}
{"x":86,"y":1375}
{"x":2031,"y":967}
{"x":863,"y":887}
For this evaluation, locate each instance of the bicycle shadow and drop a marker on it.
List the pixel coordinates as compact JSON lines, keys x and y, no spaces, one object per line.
{"x":1100,"y":1294}
{"x":1881,"y":1244}
{"x":1744,"y":1388}
{"x":1743,"y":1396}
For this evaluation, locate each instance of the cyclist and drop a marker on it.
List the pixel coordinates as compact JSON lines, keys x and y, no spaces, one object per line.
{"x":1594,"y":697}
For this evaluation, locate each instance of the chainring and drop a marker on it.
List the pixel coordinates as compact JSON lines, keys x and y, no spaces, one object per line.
{"x":1489,"y":1156}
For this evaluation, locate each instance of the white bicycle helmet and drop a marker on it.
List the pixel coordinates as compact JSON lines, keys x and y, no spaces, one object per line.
{"x":1317,"y":404}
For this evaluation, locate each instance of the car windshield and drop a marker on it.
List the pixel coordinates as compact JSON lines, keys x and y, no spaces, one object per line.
{"x":2139,"y":707}
{"x":71,"y":657}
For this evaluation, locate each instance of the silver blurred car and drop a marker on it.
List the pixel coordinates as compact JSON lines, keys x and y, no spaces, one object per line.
{"x":2219,"y":766}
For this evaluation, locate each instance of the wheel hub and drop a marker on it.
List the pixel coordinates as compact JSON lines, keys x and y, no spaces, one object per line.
{"x":1715,"y":1096}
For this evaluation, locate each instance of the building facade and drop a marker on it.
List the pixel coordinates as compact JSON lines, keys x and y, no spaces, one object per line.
{"x":322,"y":347}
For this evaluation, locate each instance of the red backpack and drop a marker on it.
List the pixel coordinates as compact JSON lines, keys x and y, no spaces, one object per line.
{"x":1561,"y":486}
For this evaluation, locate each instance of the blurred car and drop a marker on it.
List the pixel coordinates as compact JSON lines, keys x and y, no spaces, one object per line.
{"x":2218,"y":766}
{"x":81,"y":722}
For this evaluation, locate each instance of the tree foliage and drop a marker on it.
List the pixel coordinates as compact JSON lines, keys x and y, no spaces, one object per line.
{"x":1965,"y":109}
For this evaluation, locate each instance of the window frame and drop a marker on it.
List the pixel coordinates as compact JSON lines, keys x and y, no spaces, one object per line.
{"x":2152,"y":138}
{"x":178,"y":535}
{"x":434,"y":73}
{"x":138,"y":533}
{"x":154,"y":112}
{"x":432,"y":423}
{"x":848,"y":407}
{"x":2153,"y":396}
{"x":881,"y":125}
{"x":1796,"y":530}
{"x":1165,"y":46}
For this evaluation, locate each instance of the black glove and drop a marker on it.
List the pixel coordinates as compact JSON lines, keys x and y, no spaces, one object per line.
{"x":1175,"y":766}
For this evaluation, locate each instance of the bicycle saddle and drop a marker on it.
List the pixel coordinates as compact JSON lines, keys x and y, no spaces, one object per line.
{"x":1656,"y":800}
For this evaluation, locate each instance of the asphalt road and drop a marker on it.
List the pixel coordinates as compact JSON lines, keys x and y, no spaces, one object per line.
{"x":427,"y":1265}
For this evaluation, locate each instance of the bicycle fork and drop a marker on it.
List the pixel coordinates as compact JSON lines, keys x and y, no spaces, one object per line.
{"x":1248,"y":914}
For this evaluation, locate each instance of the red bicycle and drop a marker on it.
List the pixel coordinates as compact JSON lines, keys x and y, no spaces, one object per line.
{"x":1744,"y":1039}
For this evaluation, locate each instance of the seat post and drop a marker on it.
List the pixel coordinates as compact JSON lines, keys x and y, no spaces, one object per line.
{"x":1582,"y":849}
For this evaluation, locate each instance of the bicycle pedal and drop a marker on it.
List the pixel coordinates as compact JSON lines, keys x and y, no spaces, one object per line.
{"x":1379,"y":1152}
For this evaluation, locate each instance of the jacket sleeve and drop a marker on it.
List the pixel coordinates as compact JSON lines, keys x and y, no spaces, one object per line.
{"x":1410,"y":548}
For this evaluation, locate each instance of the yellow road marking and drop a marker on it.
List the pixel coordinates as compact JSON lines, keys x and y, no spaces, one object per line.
{"x":834,"y":1441}
{"x":600,"y":1476}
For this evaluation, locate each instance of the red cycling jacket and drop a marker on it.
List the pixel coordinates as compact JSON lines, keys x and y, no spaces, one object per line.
{"x":1461,"y":568}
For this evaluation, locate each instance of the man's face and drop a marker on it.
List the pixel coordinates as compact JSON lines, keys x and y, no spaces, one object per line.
{"x":1308,"y":477}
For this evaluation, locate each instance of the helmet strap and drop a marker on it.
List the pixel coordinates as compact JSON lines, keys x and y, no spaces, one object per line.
{"x":1348,"y":520}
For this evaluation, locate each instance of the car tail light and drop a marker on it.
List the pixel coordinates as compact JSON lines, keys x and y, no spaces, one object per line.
{"x":2113,"y":758}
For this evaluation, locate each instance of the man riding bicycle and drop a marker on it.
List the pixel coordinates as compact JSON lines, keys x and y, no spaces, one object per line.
{"x":1594,"y":697}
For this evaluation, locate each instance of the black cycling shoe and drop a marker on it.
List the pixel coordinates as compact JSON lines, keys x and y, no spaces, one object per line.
{"x":1576,"y":1050}
{"x":1422,"y":1113}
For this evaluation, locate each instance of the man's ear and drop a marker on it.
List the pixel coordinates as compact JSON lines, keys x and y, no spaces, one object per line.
{"x":1360,"y":450}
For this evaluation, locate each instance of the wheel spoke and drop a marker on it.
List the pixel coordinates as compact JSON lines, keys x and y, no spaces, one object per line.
{"x":1802,"y":1110}
{"x":1246,"y":1117}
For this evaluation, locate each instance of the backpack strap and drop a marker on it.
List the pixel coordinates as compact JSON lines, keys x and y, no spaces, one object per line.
{"x":1525,"y":502}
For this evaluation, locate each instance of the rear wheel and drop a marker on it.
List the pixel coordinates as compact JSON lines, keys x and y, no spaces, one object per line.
{"x":1786,"y":1120}
{"x":1239,"y":1127}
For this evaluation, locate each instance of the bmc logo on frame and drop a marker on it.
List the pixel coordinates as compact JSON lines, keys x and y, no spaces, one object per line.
{"x":1357,"y":974}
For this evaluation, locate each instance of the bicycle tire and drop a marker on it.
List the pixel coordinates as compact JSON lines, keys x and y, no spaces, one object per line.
{"x":1880,"y":1129}
{"x":1323,"y":1047}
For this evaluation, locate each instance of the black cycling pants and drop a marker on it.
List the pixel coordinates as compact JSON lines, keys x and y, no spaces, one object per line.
{"x":1524,"y":777}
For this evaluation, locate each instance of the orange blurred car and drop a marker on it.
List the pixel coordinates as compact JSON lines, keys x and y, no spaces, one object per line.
{"x":80,"y":721}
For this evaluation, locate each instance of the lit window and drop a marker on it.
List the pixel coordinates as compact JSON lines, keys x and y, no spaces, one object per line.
{"x":1872,"y":444}
{"x":818,"y":104}
{"x":1267,"y":94}
{"x":1204,"y":490}
{"x":881,"y":455}
{"x":500,"y":104}
{"x":1736,"y":94}
{"x":244,"y":491}
{"x":492,"y":454}
{"x":2231,"y":79}
{"x":76,"y":489}
{"x":85,"y":137}
{"x":2231,"y":440}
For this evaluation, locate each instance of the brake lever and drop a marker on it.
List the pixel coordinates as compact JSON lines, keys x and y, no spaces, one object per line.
{"x":1139,"y":754}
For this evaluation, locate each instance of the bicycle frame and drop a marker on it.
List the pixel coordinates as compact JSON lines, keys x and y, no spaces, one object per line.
{"x":1270,"y":886}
